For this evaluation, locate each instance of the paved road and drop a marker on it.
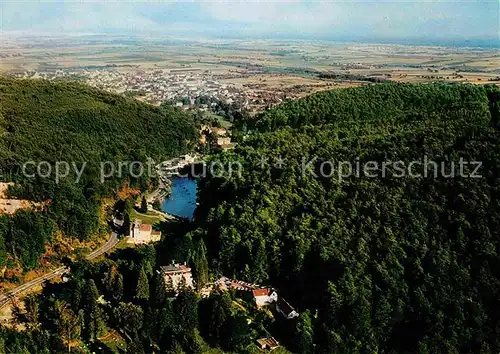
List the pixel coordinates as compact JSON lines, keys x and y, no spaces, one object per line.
{"x":5,"y":298}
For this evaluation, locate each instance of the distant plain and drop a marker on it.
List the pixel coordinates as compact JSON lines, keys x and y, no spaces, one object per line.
{"x":265,"y":64}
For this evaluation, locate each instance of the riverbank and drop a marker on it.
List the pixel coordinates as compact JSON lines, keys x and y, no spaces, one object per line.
{"x":175,"y":195}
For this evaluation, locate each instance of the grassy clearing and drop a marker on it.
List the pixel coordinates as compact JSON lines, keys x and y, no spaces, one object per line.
{"x":123,"y":244}
{"x":223,"y":122}
{"x":149,"y":218}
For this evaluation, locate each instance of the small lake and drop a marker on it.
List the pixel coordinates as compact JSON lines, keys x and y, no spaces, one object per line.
{"x":182,"y":199}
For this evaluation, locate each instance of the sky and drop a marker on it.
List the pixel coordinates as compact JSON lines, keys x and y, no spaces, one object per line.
{"x":453,"y":20}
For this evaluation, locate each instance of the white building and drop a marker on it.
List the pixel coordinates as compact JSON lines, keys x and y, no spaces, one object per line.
{"x":177,"y":275}
{"x":264,"y":297}
{"x":143,"y":233}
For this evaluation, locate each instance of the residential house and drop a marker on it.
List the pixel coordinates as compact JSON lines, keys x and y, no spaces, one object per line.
{"x":283,"y":307}
{"x":177,"y":275}
{"x":268,"y":343}
{"x":118,"y":220}
{"x":224,"y":141}
{"x":143,"y":233}
{"x":264,"y":297}
{"x":219,"y":131}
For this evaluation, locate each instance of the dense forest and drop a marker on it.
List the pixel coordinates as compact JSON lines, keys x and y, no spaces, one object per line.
{"x":122,"y":305}
{"x":70,"y":122}
{"x":389,"y":264}
{"x":392,"y":263}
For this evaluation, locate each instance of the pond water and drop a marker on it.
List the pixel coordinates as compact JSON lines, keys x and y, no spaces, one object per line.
{"x":182,"y":199}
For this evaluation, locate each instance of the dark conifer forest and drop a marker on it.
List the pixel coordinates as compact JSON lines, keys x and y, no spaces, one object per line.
{"x":388,"y":264}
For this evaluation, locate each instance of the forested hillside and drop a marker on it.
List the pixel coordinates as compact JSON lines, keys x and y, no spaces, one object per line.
{"x":392,"y":263}
{"x":389,"y":264}
{"x":378,"y":105}
{"x":126,"y":295}
{"x":43,"y":121}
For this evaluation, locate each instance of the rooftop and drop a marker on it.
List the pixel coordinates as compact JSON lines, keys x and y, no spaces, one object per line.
{"x":284,"y":306}
{"x":145,"y":227}
{"x":172,"y":268}
{"x":260,"y":292}
{"x":268,"y":342}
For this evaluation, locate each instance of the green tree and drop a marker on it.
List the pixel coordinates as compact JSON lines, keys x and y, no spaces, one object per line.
{"x":304,"y":333}
{"x":129,"y":206}
{"x":159,"y":290}
{"x":3,"y":251}
{"x":68,"y":323}
{"x":118,"y":287}
{"x":177,"y":349}
{"x":128,"y":318}
{"x":144,"y":205}
{"x":215,"y":313}
{"x":238,"y":333}
{"x":31,"y":309}
{"x":135,"y":347}
{"x":126,"y":224}
{"x":93,"y":314}
{"x":186,"y":311}
{"x":157,"y":204}
{"x":142,"y":288}
{"x":260,"y":263}
{"x":200,"y":264}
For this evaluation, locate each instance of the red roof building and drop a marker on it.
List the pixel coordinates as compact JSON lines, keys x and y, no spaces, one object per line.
{"x":260,"y":292}
{"x":145,"y":227}
{"x":263,"y":297}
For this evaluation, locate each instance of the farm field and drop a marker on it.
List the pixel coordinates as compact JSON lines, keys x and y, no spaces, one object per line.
{"x":267,"y":63}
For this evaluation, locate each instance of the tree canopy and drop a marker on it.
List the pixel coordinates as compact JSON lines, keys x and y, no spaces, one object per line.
{"x":386,"y":262}
{"x":46,"y":122}
{"x":389,"y":263}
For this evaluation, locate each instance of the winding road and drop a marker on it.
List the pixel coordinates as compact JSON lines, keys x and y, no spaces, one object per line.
{"x":5,"y":298}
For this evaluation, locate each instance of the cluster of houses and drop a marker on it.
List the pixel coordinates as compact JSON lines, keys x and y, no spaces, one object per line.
{"x":223,"y":140}
{"x":266,"y":297}
{"x":262,"y":297}
{"x":177,"y":276}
